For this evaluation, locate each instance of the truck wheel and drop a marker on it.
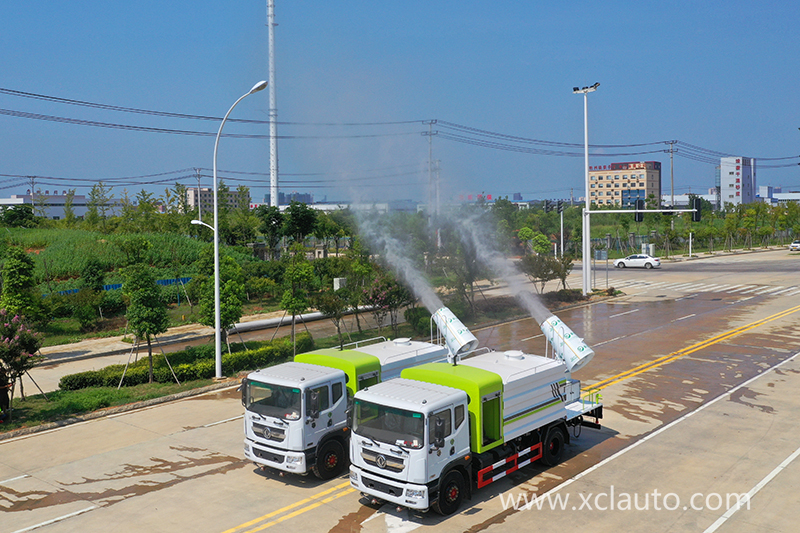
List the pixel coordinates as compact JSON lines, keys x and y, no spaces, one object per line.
{"x":451,"y":492}
{"x":553,"y":446}
{"x":330,"y":460}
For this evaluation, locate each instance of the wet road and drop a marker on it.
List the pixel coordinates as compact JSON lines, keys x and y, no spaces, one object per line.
{"x":662,"y":352}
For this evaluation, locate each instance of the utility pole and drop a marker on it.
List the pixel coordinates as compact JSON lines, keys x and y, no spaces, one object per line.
{"x":273,"y":109}
{"x":671,"y":175}
{"x":199,"y":203}
{"x":33,"y":192}
{"x":433,"y":183}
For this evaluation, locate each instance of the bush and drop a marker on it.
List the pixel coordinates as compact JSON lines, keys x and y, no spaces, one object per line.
{"x":191,"y":364}
{"x":419,"y":318}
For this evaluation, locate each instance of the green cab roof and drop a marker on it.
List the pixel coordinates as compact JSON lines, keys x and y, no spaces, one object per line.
{"x":352,"y":362}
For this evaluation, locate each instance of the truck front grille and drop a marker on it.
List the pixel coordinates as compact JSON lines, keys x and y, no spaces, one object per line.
{"x":269,"y":433}
{"x":389,"y":462}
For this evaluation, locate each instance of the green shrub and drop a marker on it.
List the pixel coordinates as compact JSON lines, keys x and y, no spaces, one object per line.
{"x":419,"y":318}
{"x":194,"y":363}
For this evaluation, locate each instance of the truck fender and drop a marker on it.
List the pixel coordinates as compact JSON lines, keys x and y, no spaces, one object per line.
{"x":462,"y":465}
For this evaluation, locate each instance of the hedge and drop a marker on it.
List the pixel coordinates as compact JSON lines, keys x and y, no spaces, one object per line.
{"x":189,"y":365}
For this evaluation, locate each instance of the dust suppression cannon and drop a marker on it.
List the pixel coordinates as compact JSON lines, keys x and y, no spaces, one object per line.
{"x":567,"y":346}
{"x":457,"y":336}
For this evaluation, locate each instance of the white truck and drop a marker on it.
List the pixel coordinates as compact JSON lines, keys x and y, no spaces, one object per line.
{"x":425,"y":440}
{"x":296,"y":413}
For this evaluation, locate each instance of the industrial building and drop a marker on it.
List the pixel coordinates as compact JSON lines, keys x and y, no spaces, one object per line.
{"x":737,"y":180}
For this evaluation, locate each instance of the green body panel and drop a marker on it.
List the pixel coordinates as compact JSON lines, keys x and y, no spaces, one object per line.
{"x":486,"y":418}
{"x":352,"y":362}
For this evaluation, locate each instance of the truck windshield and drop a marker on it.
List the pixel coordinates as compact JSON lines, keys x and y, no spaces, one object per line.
{"x":272,"y":400}
{"x":389,"y":425}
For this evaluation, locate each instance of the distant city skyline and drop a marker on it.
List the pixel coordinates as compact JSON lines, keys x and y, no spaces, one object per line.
{"x":132,"y":94}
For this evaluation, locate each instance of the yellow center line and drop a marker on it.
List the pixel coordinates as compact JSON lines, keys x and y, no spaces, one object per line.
{"x":288,"y":507}
{"x":302,"y":510}
{"x":688,"y":350}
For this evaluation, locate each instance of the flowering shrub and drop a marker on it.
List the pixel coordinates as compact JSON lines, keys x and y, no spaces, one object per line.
{"x":18,"y":347}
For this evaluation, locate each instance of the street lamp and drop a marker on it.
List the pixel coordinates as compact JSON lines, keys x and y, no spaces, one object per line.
{"x":260,"y":86}
{"x":587,"y":252}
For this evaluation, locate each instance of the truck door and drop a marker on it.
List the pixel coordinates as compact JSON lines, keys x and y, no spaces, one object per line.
{"x":325,"y":411}
{"x":441,"y":449}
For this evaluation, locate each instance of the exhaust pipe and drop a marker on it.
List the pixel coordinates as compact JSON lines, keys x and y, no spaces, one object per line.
{"x":567,"y":346}
{"x":457,"y":336}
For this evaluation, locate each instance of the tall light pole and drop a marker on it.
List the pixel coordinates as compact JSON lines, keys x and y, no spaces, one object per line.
{"x":260,"y":86}
{"x":587,"y":251}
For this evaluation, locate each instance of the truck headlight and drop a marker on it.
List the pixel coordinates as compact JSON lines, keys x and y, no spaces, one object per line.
{"x":415,"y":493}
{"x":246,"y":448}
{"x":354,"y":477}
{"x":293,"y":460}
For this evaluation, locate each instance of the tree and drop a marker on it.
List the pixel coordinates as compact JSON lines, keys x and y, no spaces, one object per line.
{"x":298,"y":280}
{"x":18,"y":296}
{"x":19,"y":216}
{"x":18,"y":346}
{"x":333,"y":304}
{"x":135,"y":249}
{"x":539,"y":268}
{"x":271,"y":226}
{"x":147,"y":311}
{"x":69,"y":211}
{"x":100,"y":205}
{"x":231,"y":291}
{"x":146,"y":211}
{"x":299,"y":221}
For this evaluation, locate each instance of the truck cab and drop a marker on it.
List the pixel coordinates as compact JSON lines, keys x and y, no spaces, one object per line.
{"x":295,"y":418}
{"x":296,"y":414}
{"x":410,"y":441}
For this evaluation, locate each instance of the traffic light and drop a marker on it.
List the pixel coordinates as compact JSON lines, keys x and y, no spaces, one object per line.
{"x":561,"y":206}
{"x":639,"y":216}
{"x":697,"y":205}
{"x":547,"y":206}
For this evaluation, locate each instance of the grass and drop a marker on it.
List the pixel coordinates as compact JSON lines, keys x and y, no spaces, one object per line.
{"x":60,"y":331}
{"x":62,"y":405}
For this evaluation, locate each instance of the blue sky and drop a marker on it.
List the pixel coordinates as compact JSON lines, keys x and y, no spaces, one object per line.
{"x":718,"y":76}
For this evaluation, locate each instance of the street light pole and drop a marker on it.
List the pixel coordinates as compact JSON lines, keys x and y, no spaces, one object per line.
{"x":260,"y":86}
{"x":587,"y":252}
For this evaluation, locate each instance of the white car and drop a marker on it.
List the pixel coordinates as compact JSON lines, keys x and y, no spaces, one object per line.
{"x":638,"y":260}
{"x":795,"y":246}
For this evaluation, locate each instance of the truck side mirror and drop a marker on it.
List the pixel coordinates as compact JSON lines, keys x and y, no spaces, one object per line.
{"x":438,"y":433}
{"x":313,"y":408}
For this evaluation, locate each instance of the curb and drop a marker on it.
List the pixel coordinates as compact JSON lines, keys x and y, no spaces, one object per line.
{"x":108,"y":411}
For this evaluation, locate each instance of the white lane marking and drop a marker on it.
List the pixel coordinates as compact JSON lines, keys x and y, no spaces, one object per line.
{"x":610,"y":340}
{"x":760,"y":485}
{"x":534,"y":337}
{"x":657,"y":432}
{"x":793,"y":293}
{"x":769,"y":289}
{"x":394,"y":522}
{"x":222,"y":421}
{"x":743,"y":287}
{"x":733,"y":287}
{"x":54,"y":520}
{"x":756,"y":288}
{"x":625,"y":313}
{"x":13,"y":479}
{"x":685,"y":317}
{"x":793,"y":287}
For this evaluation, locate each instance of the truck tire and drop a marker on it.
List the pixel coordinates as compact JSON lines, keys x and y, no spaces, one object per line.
{"x":553,"y":446}
{"x":330,"y":460}
{"x":451,"y":492}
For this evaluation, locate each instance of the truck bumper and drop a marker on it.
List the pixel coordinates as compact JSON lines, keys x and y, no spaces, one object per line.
{"x":403,"y":494}
{"x":285,"y":460}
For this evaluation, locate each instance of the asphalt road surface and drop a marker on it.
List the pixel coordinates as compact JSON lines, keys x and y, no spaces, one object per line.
{"x":697,"y":369}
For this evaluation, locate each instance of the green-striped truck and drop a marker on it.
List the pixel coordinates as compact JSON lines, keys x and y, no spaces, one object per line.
{"x":296,"y":413}
{"x":426,"y":439}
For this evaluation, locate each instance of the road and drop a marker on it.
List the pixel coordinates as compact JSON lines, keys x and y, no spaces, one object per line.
{"x":697,"y":374}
